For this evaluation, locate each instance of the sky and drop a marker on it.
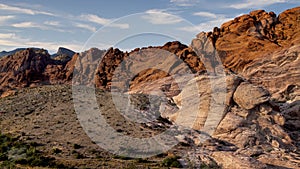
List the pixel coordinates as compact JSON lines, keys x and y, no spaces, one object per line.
{"x":82,"y":24}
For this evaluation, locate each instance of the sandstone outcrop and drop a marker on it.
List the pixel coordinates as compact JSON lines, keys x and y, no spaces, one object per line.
{"x":248,"y":96}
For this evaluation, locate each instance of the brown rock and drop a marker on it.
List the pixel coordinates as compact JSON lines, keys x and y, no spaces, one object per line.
{"x":265,"y":109}
{"x":228,"y":160}
{"x":248,"y":96}
{"x":229,"y":123}
{"x":250,"y":37}
{"x":275,"y":144}
{"x":23,"y":68}
{"x":205,"y":108}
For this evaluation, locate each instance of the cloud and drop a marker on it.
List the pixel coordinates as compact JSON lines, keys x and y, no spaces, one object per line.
{"x":206,"y":26}
{"x":52,"y":23}
{"x":7,"y":35}
{"x":103,"y":21}
{"x":27,"y":25}
{"x":53,"y":46}
{"x":96,"y":19}
{"x":45,"y":26}
{"x":15,"y":9}
{"x":205,"y":14}
{"x":86,"y":26}
{"x":3,"y":19}
{"x":159,"y":17}
{"x":184,"y":3}
{"x":12,"y":41}
{"x":255,"y":3}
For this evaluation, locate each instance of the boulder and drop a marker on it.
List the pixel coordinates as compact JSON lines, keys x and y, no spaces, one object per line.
{"x":204,"y":101}
{"x":248,"y":96}
{"x":229,"y":160}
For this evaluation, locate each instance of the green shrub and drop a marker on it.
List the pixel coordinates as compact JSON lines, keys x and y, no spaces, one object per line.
{"x":56,"y":150}
{"x":8,"y":165}
{"x":77,"y":155}
{"x":14,"y":152}
{"x":171,"y":161}
{"x":76,"y":146}
{"x":142,"y":160}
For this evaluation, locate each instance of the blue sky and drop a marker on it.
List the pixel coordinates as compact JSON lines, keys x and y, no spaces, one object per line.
{"x":81,"y":24}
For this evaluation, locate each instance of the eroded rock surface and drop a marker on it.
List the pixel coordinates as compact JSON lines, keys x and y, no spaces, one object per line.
{"x":248,"y":96}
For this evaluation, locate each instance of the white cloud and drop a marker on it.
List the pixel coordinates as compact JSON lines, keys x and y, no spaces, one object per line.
{"x":103,"y":21}
{"x":53,"y":46}
{"x":86,"y":26}
{"x":15,"y":9}
{"x":39,"y":26}
{"x":7,"y":35}
{"x":52,"y":23}
{"x":3,"y":19}
{"x":184,"y":2}
{"x":255,"y":3}
{"x":27,"y":25}
{"x":95,"y":19}
{"x":159,"y":17}
{"x":205,"y":14}
{"x":12,"y":41}
{"x":206,"y":26}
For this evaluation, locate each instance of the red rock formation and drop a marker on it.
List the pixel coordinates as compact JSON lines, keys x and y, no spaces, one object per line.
{"x":254,"y":35}
{"x":24,"y":68}
{"x":241,"y":43}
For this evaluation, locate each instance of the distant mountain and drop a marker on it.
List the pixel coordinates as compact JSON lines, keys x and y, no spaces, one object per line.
{"x":63,"y":54}
{"x":5,"y":53}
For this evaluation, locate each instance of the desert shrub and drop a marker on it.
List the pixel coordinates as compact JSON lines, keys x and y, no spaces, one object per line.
{"x":13,"y":152}
{"x":142,"y":160}
{"x":76,"y":146}
{"x":122,"y":157}
{"x":56,"y":150}
{"x":171,"y":161}
{"x":8,"y":165}
{"x":77,"y":155}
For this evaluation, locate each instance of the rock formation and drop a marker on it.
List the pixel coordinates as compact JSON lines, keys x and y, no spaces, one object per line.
{"x":63,"y":54}
{"x":238,"y":83}
{"x":5,"y":53}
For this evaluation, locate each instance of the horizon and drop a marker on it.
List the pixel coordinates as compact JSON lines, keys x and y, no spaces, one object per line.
{"x":55,"y":24}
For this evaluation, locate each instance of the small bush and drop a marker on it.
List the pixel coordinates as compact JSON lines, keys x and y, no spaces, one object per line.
{"x":142,"y":160}
{"x":13,"y":152}
{"x":77,"y":146}
{"x":77,"y":155}
{"x":56,"y":150}
{"x":122,"y":157}
{"x":8,"y":165}
{"x":171,"y":161}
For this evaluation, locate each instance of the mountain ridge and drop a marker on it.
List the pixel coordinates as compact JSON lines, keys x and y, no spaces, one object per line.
{"x":260,"y":32}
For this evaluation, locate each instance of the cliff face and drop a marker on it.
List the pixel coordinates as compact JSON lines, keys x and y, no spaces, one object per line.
{"x":23,"y":68}
{"x":30,"y":67}
{"x":253,"y":36}
{"x":262,"y":47}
